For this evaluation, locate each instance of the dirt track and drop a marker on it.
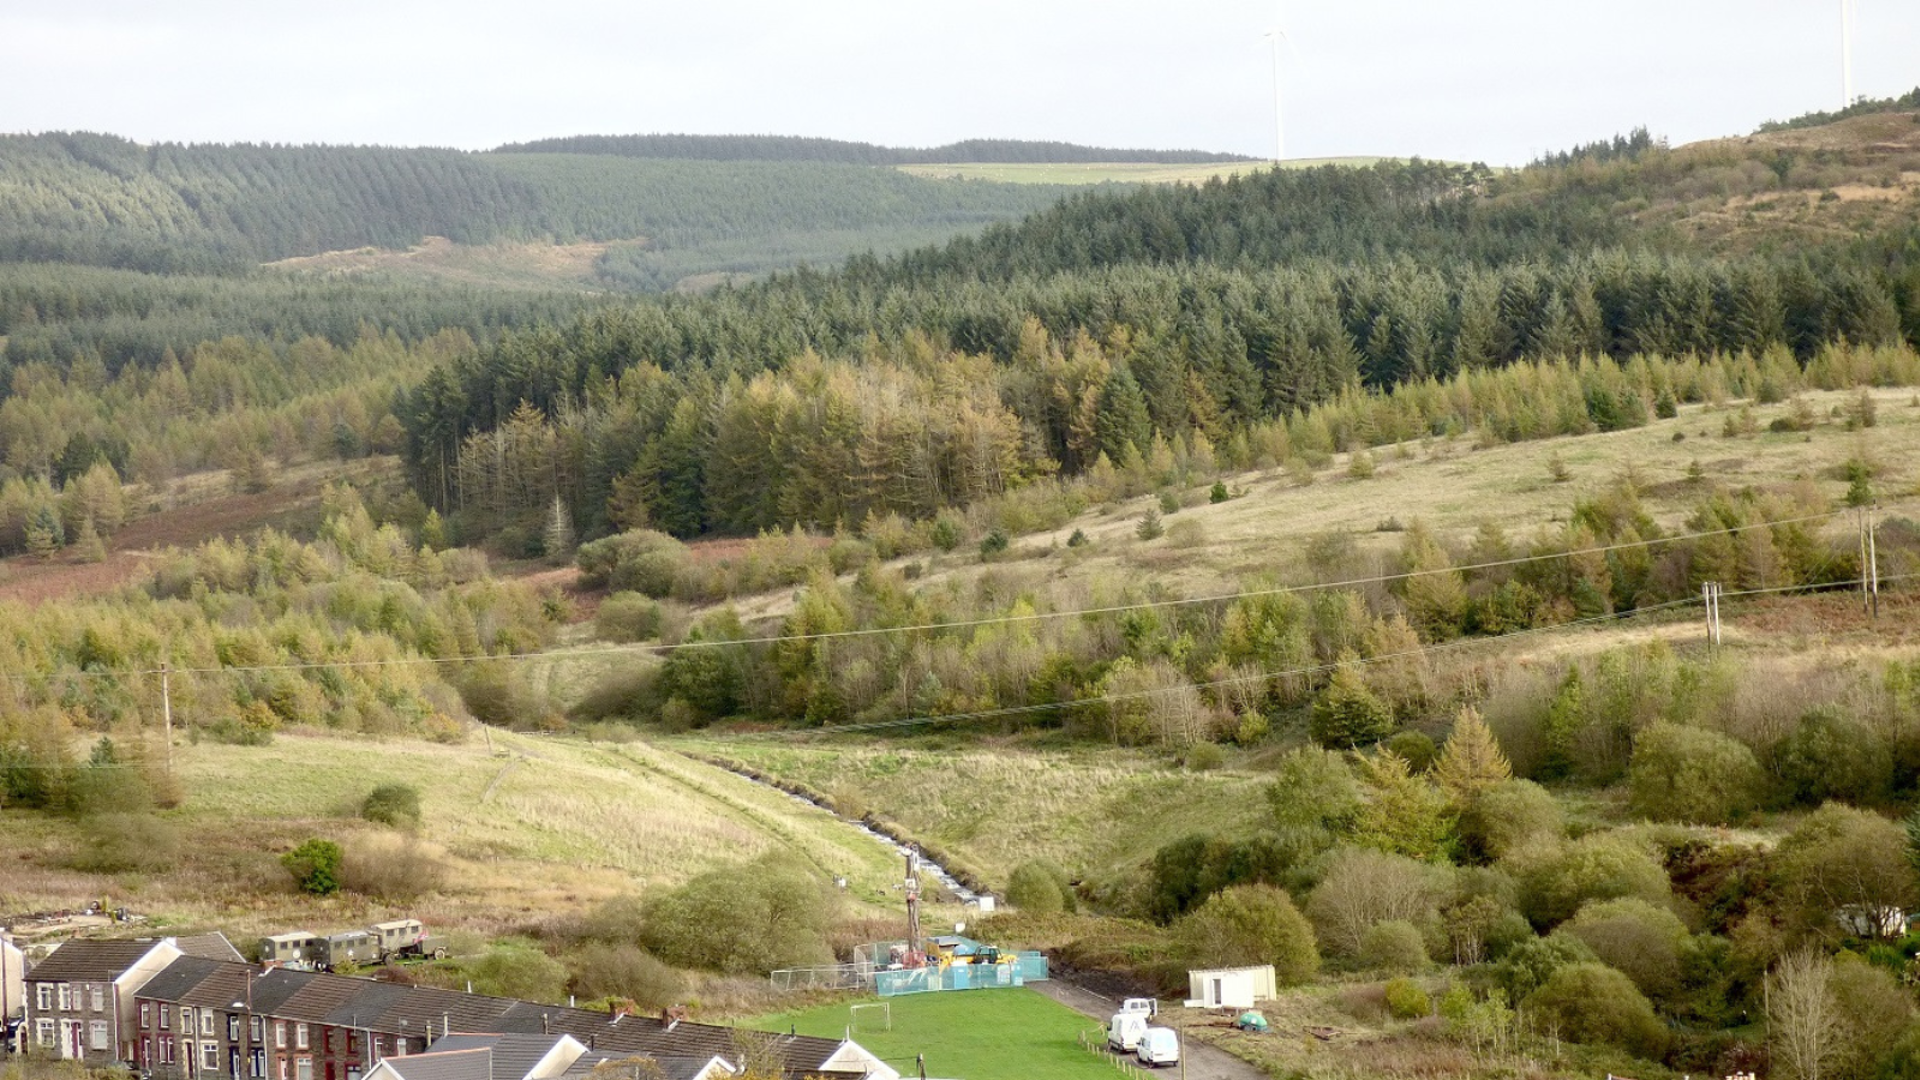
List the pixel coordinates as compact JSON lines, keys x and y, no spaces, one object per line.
{"x":1203,"y":1062}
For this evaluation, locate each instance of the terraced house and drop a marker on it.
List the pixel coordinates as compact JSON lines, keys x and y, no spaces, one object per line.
{"x":80,"y":1000}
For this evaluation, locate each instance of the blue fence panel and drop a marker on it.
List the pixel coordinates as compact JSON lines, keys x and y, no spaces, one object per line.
{"x":1026,"y":967}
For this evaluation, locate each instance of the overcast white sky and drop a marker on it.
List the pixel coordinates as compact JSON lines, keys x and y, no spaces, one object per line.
{"x":1491,"y":80}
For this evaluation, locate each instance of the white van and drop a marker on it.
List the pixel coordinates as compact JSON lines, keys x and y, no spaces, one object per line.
{"x":1158,"y":1046}
{"x":1125,"y":1028}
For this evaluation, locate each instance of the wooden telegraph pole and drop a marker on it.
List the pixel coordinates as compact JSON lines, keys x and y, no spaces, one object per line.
{"x":166,"y":712}
{"x":1710,"y":594}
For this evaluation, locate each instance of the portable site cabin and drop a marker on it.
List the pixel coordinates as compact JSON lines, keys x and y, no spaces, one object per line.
{"x":351,"y":947}
{"x":1230,"y":988}
{"x":398,"y":934}
{"x":298,"y":947}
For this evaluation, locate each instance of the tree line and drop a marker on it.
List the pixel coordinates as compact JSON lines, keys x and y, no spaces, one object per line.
{"x":802,"y":148}
{"x":170,"y":208}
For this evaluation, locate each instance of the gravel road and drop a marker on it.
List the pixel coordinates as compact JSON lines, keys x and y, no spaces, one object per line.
{"x":1203,"y":1062}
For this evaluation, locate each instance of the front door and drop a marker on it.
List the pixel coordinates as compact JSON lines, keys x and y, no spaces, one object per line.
{"x":73,"y":1041}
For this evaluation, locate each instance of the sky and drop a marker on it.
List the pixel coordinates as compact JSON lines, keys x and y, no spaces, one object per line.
{"x":1498,"y":81}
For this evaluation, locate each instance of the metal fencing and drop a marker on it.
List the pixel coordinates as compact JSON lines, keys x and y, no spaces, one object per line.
{"x":1022,"y":969}
{"x":863,"y":974}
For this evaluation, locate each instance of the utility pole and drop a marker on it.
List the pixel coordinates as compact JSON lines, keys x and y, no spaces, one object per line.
{"x":1869,"y":564}
{"x":1710,"y":594}
{"x":1873,"y":560}
{"x":166,"y":711}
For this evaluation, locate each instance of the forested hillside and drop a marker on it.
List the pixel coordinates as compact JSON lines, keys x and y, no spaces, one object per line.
{"x":106,"y":201}
{"x":799,"y":148}
{"x":1091,"y":329}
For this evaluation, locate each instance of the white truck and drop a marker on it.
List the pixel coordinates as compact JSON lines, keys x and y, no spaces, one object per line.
{"x":1158,"y":1046}
{"x":1126,"y":1026}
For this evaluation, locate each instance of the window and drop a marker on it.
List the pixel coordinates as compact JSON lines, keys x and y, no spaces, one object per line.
{"x":99,"y":1035}
{"x":253,"y":1029}
{"x":146,"y":1050}
{"x":43,"y":992}
{"x":146,"y":1015}
{"x":166,"y":1049}
{"x":210,"y":1056}
{"x":233,"y":1027}
{"x":280,"y":1034}
{"x":66,"y":997}
{"x":257,"y":1065}
{"x":99,"y":999}
{"x":43,"y":1032}
{"x":303,"y":1069}
{"x":300,"y":1036}
{"x":166,"y":1017}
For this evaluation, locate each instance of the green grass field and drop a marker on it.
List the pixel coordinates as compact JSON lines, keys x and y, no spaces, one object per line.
{"x":973,"y":1035}
{"x":1118,"y":172}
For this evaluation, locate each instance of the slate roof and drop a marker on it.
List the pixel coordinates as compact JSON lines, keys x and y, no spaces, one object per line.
{"x":515,"y":1055}
{"x":214,"y":946}
{"x":673,"y":1068}
{"x":91,"y":961}
{"x":177,"y":980}
{"x":452,"y":1065}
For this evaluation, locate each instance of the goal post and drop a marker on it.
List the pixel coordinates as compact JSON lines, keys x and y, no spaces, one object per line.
{"x":866,"y":1010}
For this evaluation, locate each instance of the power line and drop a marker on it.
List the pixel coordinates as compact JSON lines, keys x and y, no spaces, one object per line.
{"x":1315,"y":669}
{"x":959,"y":624}
{"x":1234,"y":680}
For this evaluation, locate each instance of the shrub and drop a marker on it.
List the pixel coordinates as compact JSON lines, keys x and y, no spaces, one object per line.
{"x":947,"y":532}
{"x":641,"y":560}
{"x":1528,"y":965}
{"x":1395,"y":946}
{"x":625,"y":971}
{"x":1078,"y":539}
{"x":1592,"y":1003}
{"x":1169,"y":502}
{"x":1692,"y":775}
{"x":1363,"y":888}
{"x":1831,"y":756}
{"x":1218,"y":493}
{"x":1638,"y":939}
{"x":315,"y":866}
{"x":1509,"y":817}
{"x":994,"y":544}
{"x":1598,"y":867}
{"x":1186,"y":533}
{"x":1205,"y":757}
{"x":392,"y":868}
{"x":1415,"y":748}
{"x":393,"y":804}
{"x":1405,"y":999}
{"x":516,"y":969}
{"x":746,"y":919}
{"x":1041,"y":887}
{"x":120,"y":843}
{"x":1843,"y":860}
{"x":1248,"y":925}
{"x":627,"y":616}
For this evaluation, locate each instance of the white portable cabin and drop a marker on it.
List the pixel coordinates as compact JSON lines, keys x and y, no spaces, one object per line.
{"x":1230,"y":988}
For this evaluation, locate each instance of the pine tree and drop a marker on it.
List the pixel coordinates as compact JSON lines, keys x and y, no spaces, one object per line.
{"x":44,"y":532}
{"x":1471,"y":761}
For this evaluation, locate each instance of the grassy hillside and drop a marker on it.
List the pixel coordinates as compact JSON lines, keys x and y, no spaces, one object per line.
{"x":520,"y":829}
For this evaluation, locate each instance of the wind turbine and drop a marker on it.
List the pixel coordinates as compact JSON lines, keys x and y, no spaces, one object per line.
{"x":1846,"y":53}
{"x":1276,"y":36}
